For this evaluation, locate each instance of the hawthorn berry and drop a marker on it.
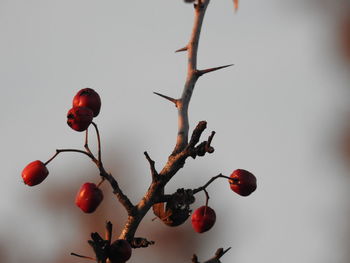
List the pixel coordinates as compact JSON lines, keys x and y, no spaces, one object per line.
{"x":88,"y":98}
{"x":242,"y":182}
{"x":89,"y":197}
{"x":119,"y":251}
{"x":203,"y":219}
{"x":34,"y":173}
{"x":79,"y":118}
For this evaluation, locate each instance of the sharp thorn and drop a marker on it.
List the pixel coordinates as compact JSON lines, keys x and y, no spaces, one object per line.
{"x":225,"y":251}
{"x":81,"y":256}
{"x":204,"y":71}
{"x":182,"y":49}
{"x":175,"y":101}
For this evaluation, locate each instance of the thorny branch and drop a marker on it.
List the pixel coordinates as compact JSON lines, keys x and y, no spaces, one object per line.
{"x":183,"y":149}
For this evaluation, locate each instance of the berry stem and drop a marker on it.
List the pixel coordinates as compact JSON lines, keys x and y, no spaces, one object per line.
{"x":86,"y":145}
{"x":102,"y":180}
{"x":206,"y":199}
{"x":98,"y":142}
{"x":58,"y":151}
{"x":202,"y":188}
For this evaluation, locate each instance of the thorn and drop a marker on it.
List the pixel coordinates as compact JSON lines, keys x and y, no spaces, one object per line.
{"x":81,"y":256}
{"x":205,"y":71}
{"x":182,"y":49}
{"x":224,"y":252}
{"x":175,"y":101}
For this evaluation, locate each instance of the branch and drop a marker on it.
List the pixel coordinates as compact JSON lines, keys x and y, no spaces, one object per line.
{"x":215,"y":259}
{"x":58,"y":151}
{"x":108,"y":235}
{"x":153,"y":169}
{"x":202,"y":188}
{"x":181,"y":152}
{"x":122,"y":198}
{"x":98,"y":142}
{"x":192,"y":77}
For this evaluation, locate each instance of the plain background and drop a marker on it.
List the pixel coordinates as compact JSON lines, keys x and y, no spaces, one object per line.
{"x":281,"y":112}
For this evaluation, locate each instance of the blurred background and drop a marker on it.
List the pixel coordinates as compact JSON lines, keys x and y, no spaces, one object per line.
{"x":282,"y":112}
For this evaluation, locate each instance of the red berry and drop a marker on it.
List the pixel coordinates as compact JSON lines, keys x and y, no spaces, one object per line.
{"x":88,"y":98}
{"x":119,"y":251}
{"x":79,"y":118}
{"x":34,"y":173}
{"x":243,"y":182}
{"x":89,"y":197}
{"x":203,"y":219}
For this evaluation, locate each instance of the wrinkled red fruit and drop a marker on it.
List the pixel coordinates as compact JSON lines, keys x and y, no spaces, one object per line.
{"x":89,"y":197}
{"x":119,"y":251}
{"x":34,"y":173}
{"x":203,"y":219}
{"x":88,"y":98}
{"x":79,"y":118}
{"x":243,"y":182}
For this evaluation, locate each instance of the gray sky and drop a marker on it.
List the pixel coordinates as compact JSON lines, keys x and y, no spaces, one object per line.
{"x":280,"y":113}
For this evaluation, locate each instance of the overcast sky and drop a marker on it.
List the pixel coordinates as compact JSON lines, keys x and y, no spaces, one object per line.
{"x":281,"y":112}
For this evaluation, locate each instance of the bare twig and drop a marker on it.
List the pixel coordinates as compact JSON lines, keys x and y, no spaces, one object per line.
{"x":123,"y":199}
{"x":58,"y":151}
{"x":152,"y":166}
{"x":108,"y":235}
{"x":202,"y":188}
{"x":86,"y":145}
{"x":192,"y":77}
{"x":98,"y":142}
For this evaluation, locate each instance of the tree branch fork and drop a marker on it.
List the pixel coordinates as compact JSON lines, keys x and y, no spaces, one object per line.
{"x":184,"y":148}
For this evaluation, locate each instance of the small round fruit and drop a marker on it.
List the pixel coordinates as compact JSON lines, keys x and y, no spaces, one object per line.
{"x":79,"y":118}
{"x":119,"y":251}
{"x":34,"y":173}
{"x":242,"y":182}
{"x":203,"y":219}
{"x":89,"y":197}
{"x":88,"y":98}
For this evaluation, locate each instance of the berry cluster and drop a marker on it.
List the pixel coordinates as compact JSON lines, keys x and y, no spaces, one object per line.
{"x":86,"y":106}
{"x":241,"y":182}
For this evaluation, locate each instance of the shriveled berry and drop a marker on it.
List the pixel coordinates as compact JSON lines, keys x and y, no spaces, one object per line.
{"x":79,"y":118}
{"x":119,"y":251}
{"x":34,"y":173}
{"x":88,"y":98}
{"x":203,"y":219}
{"x":242,"y":182}
{"x":89,"y":197}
